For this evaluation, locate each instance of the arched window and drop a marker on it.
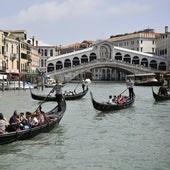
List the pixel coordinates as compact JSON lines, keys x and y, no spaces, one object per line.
{"x":50,"y":67}
{"x":127,"y":58}
{"x":84,"y":59}
{"x":51,"y":52}
{"x":76,"y":61}
{"x":162,"y":66}
{"x":135,"y":60}
{"x":67,"y":63}
{"x":45,"y":52}
{"x":144,"y":62}
{"x":118,"y":56}
{"x":59,"y":65}
{"x":153,"y":64}
{"x":93,"y":56}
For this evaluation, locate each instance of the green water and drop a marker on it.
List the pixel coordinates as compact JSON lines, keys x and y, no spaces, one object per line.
{"x":137,"y":138}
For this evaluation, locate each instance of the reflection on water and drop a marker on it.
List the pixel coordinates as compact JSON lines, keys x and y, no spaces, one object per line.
{"x":135,"y":138}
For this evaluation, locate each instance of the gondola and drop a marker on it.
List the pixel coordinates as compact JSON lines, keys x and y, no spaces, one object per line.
{"x":109,"y":107}
{"x":74,"y":96}
{"x":55,"y":118}
{"x":158,"y":97}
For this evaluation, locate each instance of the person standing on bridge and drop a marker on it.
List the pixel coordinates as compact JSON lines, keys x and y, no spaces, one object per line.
{"x":130,"y":85}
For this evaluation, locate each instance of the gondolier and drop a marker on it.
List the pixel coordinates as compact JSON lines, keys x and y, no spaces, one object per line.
{"x":130,"y":85}
{"x":58,"y":94}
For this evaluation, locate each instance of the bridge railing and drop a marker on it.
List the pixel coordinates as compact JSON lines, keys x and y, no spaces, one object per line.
{"x":111,"y":63}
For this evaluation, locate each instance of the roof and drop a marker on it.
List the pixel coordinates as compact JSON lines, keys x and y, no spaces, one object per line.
{"x":70,"y":54}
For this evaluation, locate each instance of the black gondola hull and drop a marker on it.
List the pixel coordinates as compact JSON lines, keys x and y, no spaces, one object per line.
{"x":53,"y":98}
{"x":10,"y":137}
{"x":109,"y":107}
{"x":158,"y":97}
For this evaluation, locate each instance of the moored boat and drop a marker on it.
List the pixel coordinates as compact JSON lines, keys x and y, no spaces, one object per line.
{"x":147,"y":79}
{"x":55,"y":118}
{"x":105,"y":106}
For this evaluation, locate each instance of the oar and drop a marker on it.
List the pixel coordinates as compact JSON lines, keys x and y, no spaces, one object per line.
{"x":123,"y":91}
{"x":45,"y":98}
{"x":77,"y":86}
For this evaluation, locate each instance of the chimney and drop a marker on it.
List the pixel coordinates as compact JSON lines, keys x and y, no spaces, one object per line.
{"x":33,"y":40}
{"x":36,"y":43}
{"x":166,"y":29}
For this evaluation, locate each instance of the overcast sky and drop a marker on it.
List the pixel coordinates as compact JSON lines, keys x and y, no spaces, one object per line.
{"x":64,"y":22}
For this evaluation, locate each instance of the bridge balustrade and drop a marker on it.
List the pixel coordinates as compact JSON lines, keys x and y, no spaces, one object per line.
{"x":75,"y":70}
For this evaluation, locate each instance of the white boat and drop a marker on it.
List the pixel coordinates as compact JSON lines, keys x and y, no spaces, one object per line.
{"x":147,"y":79}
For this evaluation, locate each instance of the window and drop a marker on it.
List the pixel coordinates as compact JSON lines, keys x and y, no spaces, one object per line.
{"x":41,"y":63}
{"x":51,"y":52}
{"x":45,"y":52}
{"x":153,"y":50}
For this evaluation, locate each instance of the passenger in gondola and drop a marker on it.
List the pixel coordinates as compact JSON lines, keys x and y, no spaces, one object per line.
{"x":122,"y":100}
{"x":110,"y":99}
{"x":40,"y":117}
{"x":14,"y":122}
{"x":59,"y":95}
{"x":23,"y":119}
{"x":33,"y":120}
{"x":3,"y":124}
{"x":114,"y":99}
{"x":168,"y":91}
{"x":162,"y":91}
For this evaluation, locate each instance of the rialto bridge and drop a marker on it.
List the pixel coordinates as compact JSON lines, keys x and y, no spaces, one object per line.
{"x":103,"y":61}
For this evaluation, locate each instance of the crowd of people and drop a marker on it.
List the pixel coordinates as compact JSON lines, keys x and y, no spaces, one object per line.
{"x":20,"y":121}
{"x":123,"y":99}
{"x":118,"y":99}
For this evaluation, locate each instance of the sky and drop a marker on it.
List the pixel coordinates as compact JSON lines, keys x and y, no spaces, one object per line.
{"x":65,"y":22}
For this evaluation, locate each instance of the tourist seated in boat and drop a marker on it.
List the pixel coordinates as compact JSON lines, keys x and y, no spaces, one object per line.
{"x":114,"y":100}
{"x":68,"y":93}
{"x":23,"y":118}
{"x":3,"y":124}
{"x":40,"y":117}
{"x":163,"y":91}
{"x":168,"y":91}
{"x":110,"y":101}
{"x":122,"y":100}
{"x":46,"y":116}
{"x":31,"y":120}
{"x":14,"y":122}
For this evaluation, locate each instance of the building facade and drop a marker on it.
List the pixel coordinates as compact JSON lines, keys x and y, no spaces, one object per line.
{"x":17,"y":54}
{"x":163,"y":45}
{"x":46,"y":52}
{"x":146,"y":41}
{"x":143,"y":41}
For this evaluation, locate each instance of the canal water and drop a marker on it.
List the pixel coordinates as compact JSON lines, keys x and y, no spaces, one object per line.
{"x":137,"y":138}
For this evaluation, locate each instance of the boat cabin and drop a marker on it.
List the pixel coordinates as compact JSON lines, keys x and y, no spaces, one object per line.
{"x":147,"y":79}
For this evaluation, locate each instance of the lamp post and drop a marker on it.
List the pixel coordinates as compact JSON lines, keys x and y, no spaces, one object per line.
{"x":19,"y":58}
